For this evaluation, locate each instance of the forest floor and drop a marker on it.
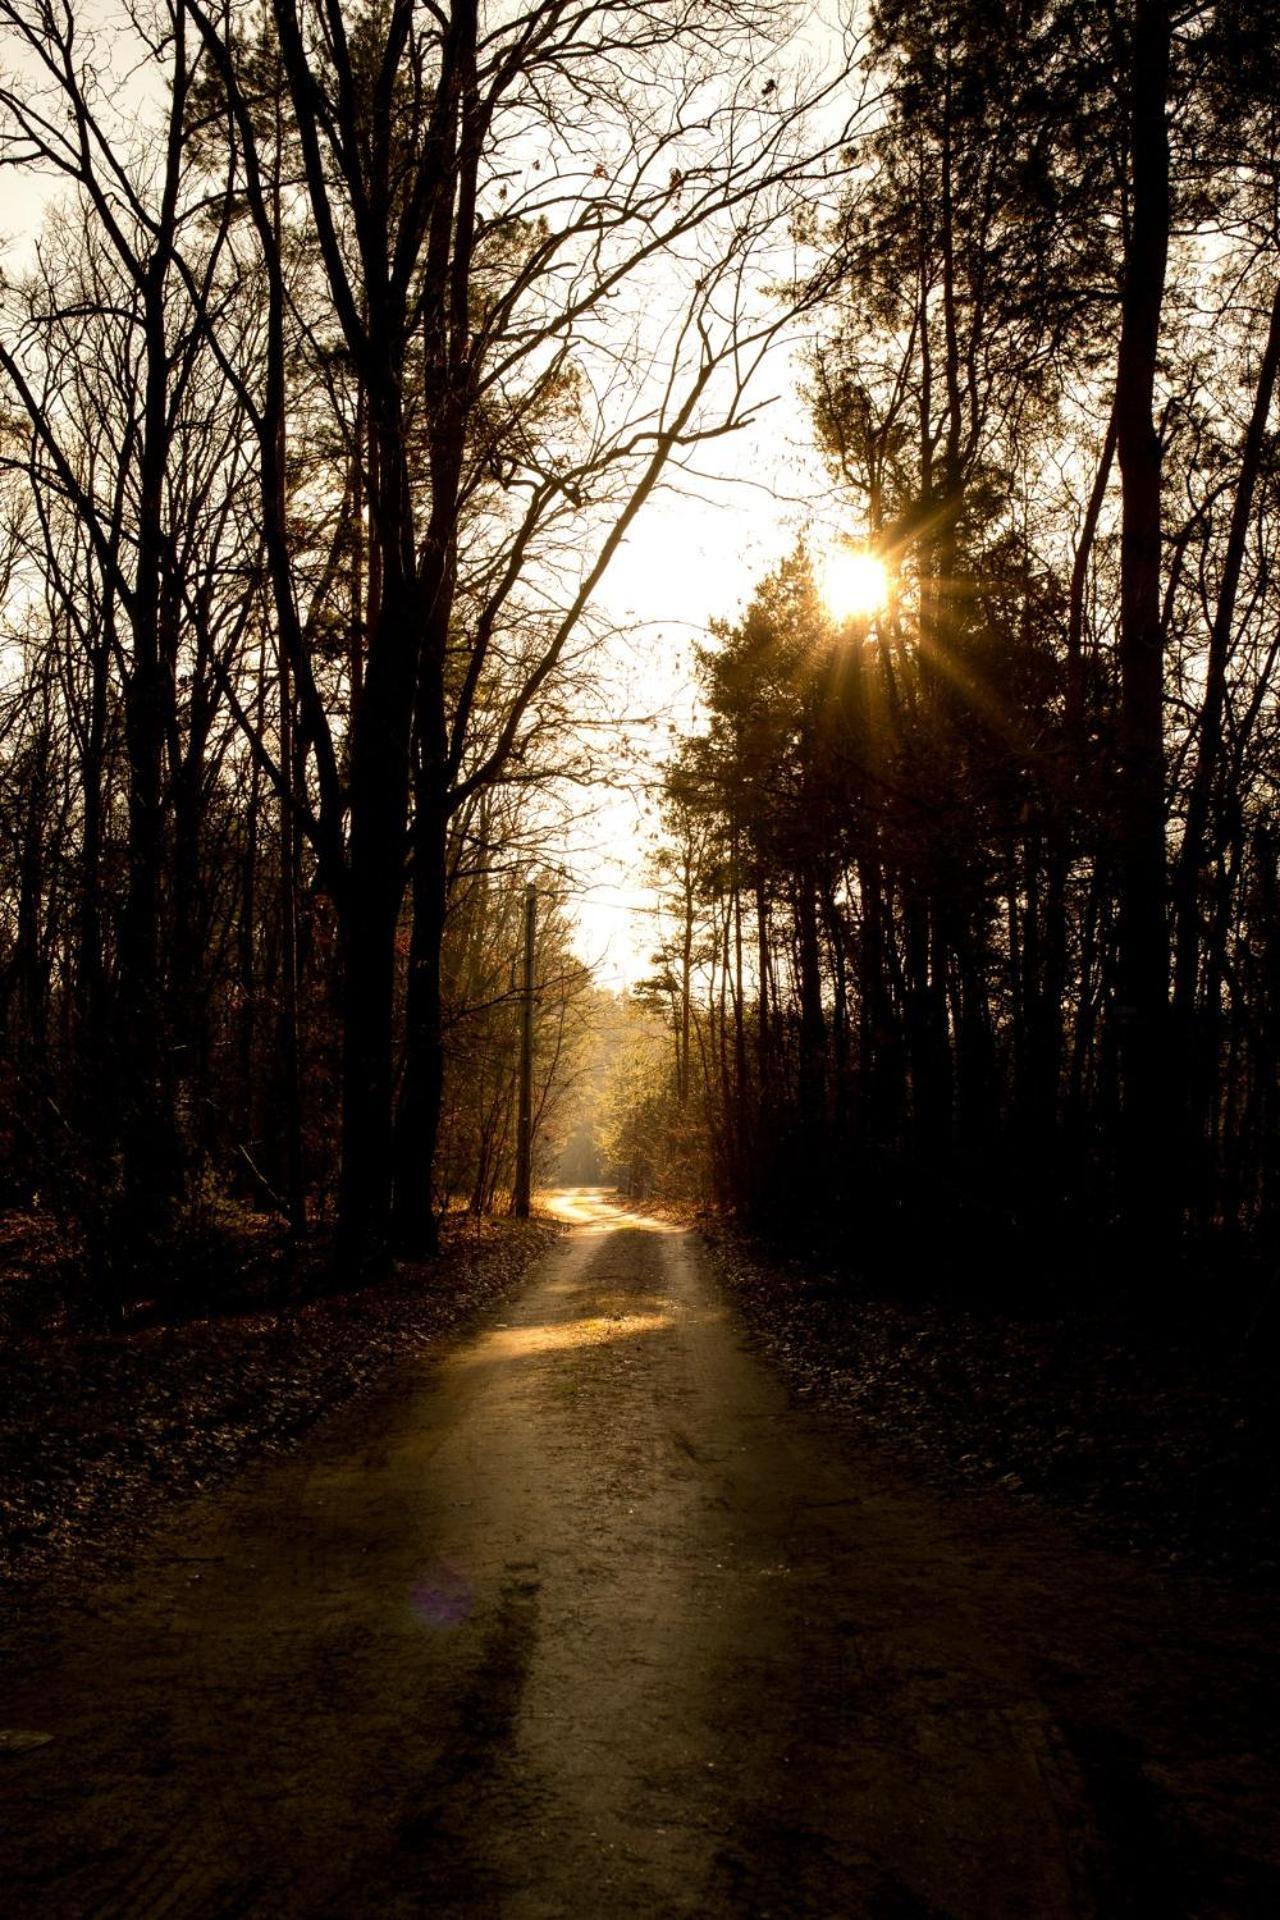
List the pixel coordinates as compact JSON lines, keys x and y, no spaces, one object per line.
{"x":101,"y":1432}
{"x":1158,"y":1433}
{"x":582,"y":1613}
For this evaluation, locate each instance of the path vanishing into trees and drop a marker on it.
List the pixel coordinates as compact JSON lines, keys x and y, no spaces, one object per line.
{"x":589,"y":1620}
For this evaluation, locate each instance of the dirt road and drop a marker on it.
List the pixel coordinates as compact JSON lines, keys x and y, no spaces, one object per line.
{"x":588,"y":1621}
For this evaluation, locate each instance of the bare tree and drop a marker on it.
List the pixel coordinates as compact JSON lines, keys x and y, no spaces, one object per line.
{"x":141,"y":208}
{"x":500,"y":205}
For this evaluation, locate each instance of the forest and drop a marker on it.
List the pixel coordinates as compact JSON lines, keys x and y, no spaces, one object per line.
{"x":342,"y":350}
{"x":639,"y":959}
{"x":970,"y":872}
{"x":345,"y":351}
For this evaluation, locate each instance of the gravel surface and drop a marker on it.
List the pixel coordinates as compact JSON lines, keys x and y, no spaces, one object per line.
{"x":99,"y":1433}
{"x":586,"y":1616}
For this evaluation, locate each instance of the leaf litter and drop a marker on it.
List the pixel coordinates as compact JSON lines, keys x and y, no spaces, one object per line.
{"x":99,"y":1432}
{"x":1163,"y":1440}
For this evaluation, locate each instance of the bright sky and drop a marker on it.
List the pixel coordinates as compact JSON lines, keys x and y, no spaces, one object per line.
{"x":694,"y":555}
{"x":690,"y":559}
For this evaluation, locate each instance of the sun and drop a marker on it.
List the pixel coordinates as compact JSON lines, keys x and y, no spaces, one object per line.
{"x":854,"y":585}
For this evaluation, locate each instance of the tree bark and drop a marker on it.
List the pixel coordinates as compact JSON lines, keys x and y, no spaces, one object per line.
{"x":148,"y":1131}
{"x":1209,"y":743}
{"x":1143,"y":938}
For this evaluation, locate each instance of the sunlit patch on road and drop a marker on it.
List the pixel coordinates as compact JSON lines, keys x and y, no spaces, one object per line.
{"x":595,"y":1208}
{"x":520,"y":1343}
{"x":442,"y":1597}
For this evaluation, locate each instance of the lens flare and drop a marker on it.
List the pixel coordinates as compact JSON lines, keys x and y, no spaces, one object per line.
{"x":442,"y":1597}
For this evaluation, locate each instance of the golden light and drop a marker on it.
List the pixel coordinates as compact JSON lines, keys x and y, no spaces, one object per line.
{"x":854,"y":585}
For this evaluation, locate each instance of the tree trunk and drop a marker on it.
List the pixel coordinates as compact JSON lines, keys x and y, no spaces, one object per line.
{"x":373,"y":895}
{"x":148,"y":1133}
{"x":1192,"y":852}
{"x":422,"y":1085}
{"x":1143,"y":950}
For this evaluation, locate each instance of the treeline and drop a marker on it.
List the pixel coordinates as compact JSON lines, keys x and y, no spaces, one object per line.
{"x":352,"y":341}
{"x":973,"y":896}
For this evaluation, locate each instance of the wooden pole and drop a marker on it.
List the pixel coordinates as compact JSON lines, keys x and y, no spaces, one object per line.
{"x":524,"y":1132}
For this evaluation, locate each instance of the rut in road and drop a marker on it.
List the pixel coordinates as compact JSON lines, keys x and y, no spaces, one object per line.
{"x":584,"y":1621}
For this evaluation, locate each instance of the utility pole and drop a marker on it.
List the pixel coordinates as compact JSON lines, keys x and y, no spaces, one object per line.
{"x":524,"y":1126}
